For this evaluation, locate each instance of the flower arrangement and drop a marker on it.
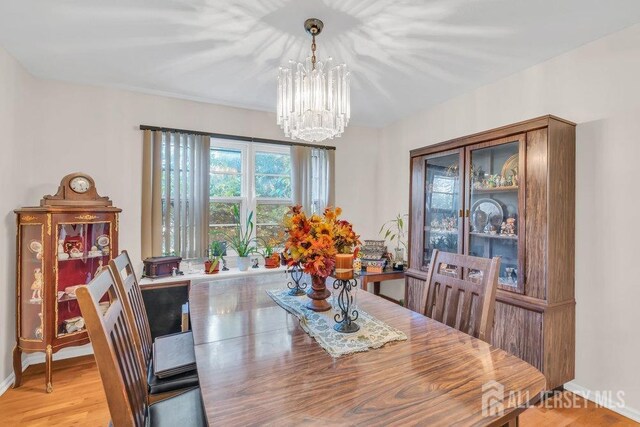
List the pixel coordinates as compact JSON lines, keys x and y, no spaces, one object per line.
{"x":313,"y":241}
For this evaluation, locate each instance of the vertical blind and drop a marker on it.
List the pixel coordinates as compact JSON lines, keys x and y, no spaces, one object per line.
{"x":175,"y":202}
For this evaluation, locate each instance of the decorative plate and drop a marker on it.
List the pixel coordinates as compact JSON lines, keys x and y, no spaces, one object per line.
{"x":103,"y":240}
{"x":510,"y":167}
{"x":35,"y":246}
{"x":493,"y":214}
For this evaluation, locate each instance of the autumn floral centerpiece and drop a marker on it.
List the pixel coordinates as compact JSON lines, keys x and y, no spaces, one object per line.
{"x":313,"y":243}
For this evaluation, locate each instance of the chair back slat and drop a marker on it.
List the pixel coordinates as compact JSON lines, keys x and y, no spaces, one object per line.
{"x":128,"y":285}
{"x":461,"y":292}
{"x":115,"y":350}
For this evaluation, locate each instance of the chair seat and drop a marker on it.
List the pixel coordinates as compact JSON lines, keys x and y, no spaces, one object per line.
{"x":184,"y":410}
{"x":176,"y":382}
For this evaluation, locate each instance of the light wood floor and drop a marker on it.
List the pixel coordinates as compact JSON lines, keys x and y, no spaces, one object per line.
{"x":78,"y":400}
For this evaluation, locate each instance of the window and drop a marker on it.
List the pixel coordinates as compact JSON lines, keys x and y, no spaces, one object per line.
{"x":227,"y":184}
{"x":272,"y":189}
{"x":253,"y":177}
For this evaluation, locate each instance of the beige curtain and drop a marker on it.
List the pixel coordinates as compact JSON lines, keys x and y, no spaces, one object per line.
{"x":313,"y":174}
{"x":175,"y":194}
{"x":302,"y":177}
{"x":326,"y":178}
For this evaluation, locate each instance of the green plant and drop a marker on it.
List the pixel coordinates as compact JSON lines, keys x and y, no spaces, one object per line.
{"x":239,"y":239}
{"x":394,"y":230}
{"x":216,"y":252}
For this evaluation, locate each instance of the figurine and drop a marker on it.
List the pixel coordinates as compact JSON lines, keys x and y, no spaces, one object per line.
{"x":61,"y":246}
{"x":36,"y":287}
{"x":503,"y":181}
{"x":224,"y":264}
{"x":255,"y":263}
{"x":100,"y":267}
{"x":508,"y":227}
{"x":38,"y":332}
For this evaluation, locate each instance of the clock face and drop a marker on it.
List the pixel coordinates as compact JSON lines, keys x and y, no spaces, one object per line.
{"x":80,"y":184}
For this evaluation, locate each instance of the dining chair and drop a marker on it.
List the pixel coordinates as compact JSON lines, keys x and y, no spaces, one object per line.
{"x":128,"y":286}
{"x":461,"y":292}
{"x":118,"y":358}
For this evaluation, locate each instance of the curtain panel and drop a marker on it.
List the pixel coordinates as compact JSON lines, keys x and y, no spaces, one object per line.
{"x":175,"y":194}
{"x":313,"y":178}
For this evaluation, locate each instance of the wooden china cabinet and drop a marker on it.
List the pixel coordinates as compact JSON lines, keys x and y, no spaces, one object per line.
{"x":62,"y":244}
{"x":508,"y":192}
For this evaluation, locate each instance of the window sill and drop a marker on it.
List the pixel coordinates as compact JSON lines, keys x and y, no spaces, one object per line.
{"x":201,"y":277}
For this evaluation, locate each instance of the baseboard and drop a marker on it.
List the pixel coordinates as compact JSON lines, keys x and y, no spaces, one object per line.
{"x":35,"y":358}
{"x":625,"y":411}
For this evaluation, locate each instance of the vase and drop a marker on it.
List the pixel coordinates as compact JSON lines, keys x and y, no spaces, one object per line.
{"x":318,"y":294}
{"x":243,"y":263}
{"x":399,"y":255}
{"x":344,"y":266}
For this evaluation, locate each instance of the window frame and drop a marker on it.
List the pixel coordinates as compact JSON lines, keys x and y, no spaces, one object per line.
{"x":248,"y":199}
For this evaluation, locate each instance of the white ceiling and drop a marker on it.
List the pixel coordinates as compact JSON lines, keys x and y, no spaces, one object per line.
{"x":404,"y":55}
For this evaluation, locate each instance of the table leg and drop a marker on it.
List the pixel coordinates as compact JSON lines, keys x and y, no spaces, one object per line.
{"x":376,"y":288}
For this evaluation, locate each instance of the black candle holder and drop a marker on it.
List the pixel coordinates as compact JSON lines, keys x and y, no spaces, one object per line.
{"x":346,"y":317}
{"x":296,"y":289}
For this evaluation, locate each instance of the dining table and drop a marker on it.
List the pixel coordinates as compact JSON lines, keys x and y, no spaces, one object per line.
{"x":257,"y":366}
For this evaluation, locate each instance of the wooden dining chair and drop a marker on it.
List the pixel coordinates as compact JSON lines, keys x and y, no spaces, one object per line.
{"x":129,"y":288}
{"x":461,"y":292}
{"x":119,"y":361}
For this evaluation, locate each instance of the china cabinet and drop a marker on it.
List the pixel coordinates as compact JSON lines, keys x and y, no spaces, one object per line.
{"x":508,"y":192}
{"x":61,"y":245}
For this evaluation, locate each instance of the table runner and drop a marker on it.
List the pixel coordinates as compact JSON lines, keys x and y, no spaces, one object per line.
{"x":373,"y":333}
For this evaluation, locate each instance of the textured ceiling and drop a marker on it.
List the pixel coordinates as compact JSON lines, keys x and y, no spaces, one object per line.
{"x":405,"y":56}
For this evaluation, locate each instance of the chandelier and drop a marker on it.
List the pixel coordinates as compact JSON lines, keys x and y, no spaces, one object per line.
{"x":313,"y":98}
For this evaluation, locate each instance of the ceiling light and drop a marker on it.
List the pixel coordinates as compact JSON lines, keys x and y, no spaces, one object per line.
{"x":313,"y":98}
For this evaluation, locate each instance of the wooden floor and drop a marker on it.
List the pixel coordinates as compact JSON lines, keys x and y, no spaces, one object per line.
{"x":78,"y":400}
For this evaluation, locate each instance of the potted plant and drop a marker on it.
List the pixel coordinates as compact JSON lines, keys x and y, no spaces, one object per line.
{"x":271,"y":257}
{"x":217,"y":250}
{"x":394,"y":230}
{"x":240,"y":240}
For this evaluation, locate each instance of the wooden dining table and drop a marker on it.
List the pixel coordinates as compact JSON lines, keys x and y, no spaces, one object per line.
{"x":257,"y":366}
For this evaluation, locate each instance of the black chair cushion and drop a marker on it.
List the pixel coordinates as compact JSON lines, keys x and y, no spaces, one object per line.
{"x":176,"y":382}
{"x":184,"y":410}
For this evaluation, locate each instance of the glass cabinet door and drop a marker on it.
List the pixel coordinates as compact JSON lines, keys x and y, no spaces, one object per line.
{"x":83,"y":250}
{"x":443,"y":178}
{"x":31,"y":281}
{"x":495,"y":227}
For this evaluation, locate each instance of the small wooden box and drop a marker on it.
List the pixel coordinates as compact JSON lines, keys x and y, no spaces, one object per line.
{"x":374,"y":269}
{"x":160,"y":266}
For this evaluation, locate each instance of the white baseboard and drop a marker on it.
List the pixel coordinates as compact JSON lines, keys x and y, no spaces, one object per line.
{"x":625,"y":410}
{"x":29,"y":359}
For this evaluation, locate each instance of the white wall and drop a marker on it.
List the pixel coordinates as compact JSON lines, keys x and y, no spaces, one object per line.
{"x":598,"y":87}
{"x":61,"y":128}
{"x":15,"y":134}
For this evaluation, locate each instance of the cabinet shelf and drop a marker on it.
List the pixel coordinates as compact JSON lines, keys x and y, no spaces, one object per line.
{"x":437,"y":231}
{"x":494,"y":236}
{"x":84,"y":258}
{"x":512,"y":189}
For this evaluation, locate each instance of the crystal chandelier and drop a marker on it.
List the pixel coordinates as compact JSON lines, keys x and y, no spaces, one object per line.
{"x":313,"y":98}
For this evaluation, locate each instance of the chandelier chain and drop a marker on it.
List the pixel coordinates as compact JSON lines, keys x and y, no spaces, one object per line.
{"x":313,"y":52}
